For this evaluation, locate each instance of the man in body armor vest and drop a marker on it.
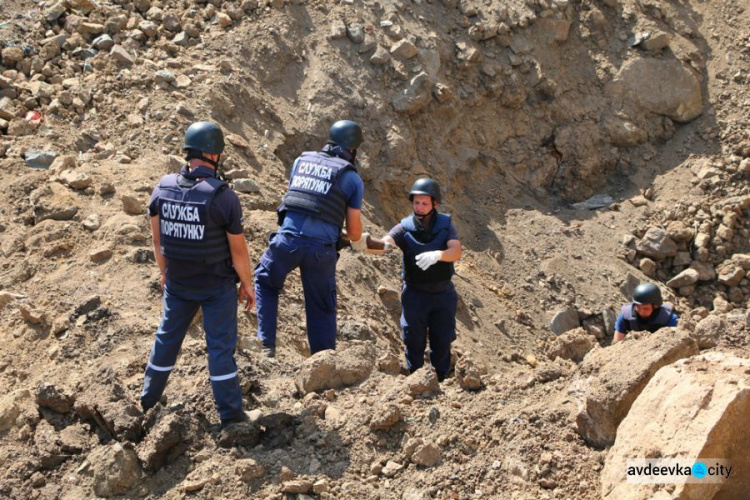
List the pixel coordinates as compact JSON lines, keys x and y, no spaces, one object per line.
{"x":324,"y":191}
{"x":430,"y":244}
{"x":646,"y":312}
{"x":196,"y":225}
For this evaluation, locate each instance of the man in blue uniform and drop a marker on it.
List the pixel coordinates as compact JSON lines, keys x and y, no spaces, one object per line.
{"x":196,"y":225}
{"x":430,"y":244}
{"x":324,"y":192}
{"x":646,"y":312}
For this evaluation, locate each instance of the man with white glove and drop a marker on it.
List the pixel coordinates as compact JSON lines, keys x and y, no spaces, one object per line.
{"x":427,"y":259}
{"x":430,"y":245}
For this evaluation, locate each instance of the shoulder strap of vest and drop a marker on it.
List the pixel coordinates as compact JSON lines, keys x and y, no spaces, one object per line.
{"x":408,"y":223}
{"x":443,"y":222}
{"x":627,"y":312}
{"x":168,"y":180}
{"x":665,"y":312}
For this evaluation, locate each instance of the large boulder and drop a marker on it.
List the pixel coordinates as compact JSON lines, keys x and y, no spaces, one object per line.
{"x":612,"y":378}
{"x":334,"y":369}
{"x":657,"y":244}
{"x":662,"y":86}
{"x":697,"y":407}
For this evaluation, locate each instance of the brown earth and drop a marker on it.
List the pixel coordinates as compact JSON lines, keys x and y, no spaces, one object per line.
{"x":519,"y":109}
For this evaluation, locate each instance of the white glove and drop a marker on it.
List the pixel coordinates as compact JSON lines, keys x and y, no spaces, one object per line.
{"x":426,"y":259}
{"x":361,"y":244}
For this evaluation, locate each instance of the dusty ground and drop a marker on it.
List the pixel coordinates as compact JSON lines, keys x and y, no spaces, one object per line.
{"x":519,"y":109}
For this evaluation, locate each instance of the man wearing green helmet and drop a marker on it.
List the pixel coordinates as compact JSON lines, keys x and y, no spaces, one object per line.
{"x":646,"y":312}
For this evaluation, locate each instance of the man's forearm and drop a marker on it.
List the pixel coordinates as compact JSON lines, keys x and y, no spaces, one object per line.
{"x":240,"y":258}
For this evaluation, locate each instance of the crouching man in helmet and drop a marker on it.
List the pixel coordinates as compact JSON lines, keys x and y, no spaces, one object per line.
{"x":196,"y":226}
{"x":430,"y":244}
{"x":646,"y":312}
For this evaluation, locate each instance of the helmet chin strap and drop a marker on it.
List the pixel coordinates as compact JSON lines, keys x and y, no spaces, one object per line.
{"x":422,"y":217}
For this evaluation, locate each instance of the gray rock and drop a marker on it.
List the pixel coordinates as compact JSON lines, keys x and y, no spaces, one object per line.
{"x":39,"y":159}
{"x":54,"y":11}
{"x":181,"y":39}
{"x":246,"y":186}
{"x":596,"y":201}
{"x":415,"y":97}
{"x":380,"y":57}
{"x":564,"y":320}
{"x":338,"y":30}
{"x":164,"y":76}
{"x":404,"y":49}
{"x":121,"y":55}
{"x":685,"y":278}
{"x":657,"y":244}
{"x":706,"y":272}
{"x":609,"y":318}
{"x":92,"y":222}
{"x":356,"y":32}
{"x":103,"y":42}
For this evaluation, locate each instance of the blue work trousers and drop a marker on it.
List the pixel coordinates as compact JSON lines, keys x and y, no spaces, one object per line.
{"x":317,"y":263}
{"x":428,"y":315}
{"x":220,"y":324}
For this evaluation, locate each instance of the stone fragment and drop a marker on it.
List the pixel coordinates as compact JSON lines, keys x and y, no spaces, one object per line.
{"x":385,"y":417}
{"x":706,"y":272}
{"x":680,"y":232}
{"x":404,"y":49}
{"x":100,"y":255}
{"x":731,"y":274}
{"x":132,"y":205}
{"x":298,"y":486}
{"x":121,"y":55}
{"x":708,"y":331}
{"x":426,"y":455}
{"x":338,"y":30}
{"x":103,"y":42}
{"x":48,"y":396}
{"x":164,"y":443}
{"x":356,"y":33}
{"x":656,"y":244}
{"x":685,"y":278}
{"x":39,"y":159}
{"x":648,"y":267}
{"x":469,"y":374}
{"x":333,"y":369}
{"x":572,"y":345}
{"x":248,"y":469}
{"x":564,"y":320}
{"x":415,"y":97}
{"x":380,"y":56}
{"x":115,"y":469}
